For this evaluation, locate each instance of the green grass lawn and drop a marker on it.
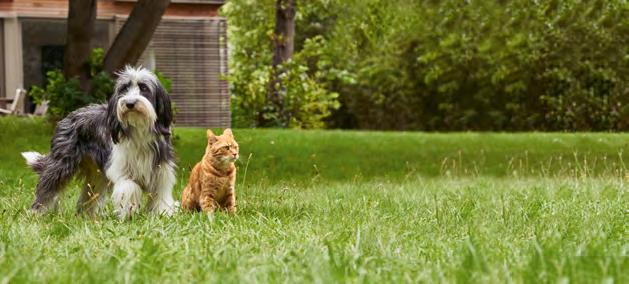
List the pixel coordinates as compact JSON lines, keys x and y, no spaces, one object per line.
{"x":334,"y":206}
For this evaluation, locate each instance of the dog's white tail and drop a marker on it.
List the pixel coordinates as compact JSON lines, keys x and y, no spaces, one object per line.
{"x":31,"y":157}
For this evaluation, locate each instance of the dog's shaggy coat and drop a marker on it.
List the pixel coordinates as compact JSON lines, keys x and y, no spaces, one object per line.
{"x":125,"y":143}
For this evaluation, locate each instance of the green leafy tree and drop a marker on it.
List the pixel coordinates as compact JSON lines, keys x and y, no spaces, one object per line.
{"x":305,"y":100}
{"x":449,"y":65}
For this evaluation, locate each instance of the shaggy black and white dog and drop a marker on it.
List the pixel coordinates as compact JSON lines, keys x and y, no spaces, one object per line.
{"x":125,"y":143}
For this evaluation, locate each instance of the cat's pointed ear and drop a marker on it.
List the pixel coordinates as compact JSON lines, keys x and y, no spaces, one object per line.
{"x":211,"y":138}
{"x":228,"y":132}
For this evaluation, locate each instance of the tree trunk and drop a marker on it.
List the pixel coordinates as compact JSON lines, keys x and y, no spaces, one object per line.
{"x":135,"y":35}
{"x":284,"y":33}
{"x":81,"y":20}
{"x":283,"y":40}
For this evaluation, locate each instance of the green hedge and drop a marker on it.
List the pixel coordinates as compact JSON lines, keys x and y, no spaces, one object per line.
{"x":452,"y":64}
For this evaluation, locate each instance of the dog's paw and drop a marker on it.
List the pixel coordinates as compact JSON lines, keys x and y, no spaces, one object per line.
{"x":165,"y":208}
{"x":127,"y":211}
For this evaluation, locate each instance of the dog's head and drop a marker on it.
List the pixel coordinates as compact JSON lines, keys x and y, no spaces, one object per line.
{"x":139,"y":101}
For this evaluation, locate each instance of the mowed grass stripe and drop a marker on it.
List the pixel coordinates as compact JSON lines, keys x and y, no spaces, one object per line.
{"x":293,"y":155}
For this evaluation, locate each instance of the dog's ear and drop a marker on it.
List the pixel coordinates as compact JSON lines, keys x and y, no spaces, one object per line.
{"x":115,"y":128}
{"x":163,"y":110}
{"x":211,"y":137}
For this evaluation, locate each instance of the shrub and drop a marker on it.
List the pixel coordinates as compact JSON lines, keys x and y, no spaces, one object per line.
{"x":307,"y":101}
{"x":454,"y":65}
{"x":487,"y":65}
{"x":65,"y":95}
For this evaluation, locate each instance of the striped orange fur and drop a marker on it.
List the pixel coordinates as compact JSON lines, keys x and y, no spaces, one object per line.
{"x":212,"y":180}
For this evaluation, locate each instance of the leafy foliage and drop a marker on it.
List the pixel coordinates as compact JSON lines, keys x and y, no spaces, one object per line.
{"x":65,"y":95}
{"x":166,"y":82}
{"x":452,"y":65}
{"x":306,"y":99}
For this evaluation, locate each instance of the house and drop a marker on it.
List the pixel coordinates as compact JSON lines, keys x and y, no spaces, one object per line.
{"x":189,"y":46}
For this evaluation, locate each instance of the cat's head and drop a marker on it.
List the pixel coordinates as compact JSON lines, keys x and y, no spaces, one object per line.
{"x":222,"y":148}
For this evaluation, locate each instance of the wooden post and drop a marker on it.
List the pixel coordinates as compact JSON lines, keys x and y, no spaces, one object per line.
{"x":13,"y":65}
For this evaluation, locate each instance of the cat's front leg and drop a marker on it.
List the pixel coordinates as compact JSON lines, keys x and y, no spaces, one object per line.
{"x":230,"y":198}
{"x":188,"y":201}
{"x":230,"y":201}
{"x":207,"y":201}
{"x":161,"y":197}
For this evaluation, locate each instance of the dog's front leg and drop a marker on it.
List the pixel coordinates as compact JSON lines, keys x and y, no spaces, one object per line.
{"x":127,"y":197}
{"x":161,"y":196}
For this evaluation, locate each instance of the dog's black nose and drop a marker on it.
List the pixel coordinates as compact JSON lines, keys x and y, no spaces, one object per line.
{"x":130,"y":104}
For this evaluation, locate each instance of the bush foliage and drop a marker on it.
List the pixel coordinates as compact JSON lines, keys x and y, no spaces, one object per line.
{"x":441,"y":65}
{"x":65,"y":95}
{"x":307,"y":100}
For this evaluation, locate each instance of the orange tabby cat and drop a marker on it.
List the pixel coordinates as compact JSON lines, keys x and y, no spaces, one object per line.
{"x":212,"y":180}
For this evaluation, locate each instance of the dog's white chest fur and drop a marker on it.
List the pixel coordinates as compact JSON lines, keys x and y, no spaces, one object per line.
{"x":132,"y":169}
{"x":133,"y":161}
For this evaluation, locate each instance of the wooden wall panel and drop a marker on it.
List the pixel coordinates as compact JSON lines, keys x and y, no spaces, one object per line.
{"x":193,"y":53}
{"x":107,"y":9}
{"x":189,"y":46}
